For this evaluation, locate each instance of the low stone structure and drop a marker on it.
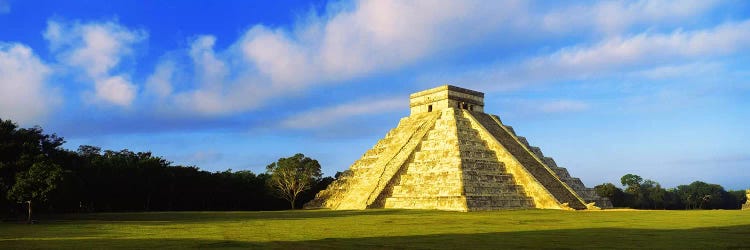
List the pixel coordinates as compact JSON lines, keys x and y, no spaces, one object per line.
{"x":450,"y":155}
{"x":746,"y":206}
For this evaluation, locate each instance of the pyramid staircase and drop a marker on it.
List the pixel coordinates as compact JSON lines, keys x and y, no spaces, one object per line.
{"x":449,"y":173}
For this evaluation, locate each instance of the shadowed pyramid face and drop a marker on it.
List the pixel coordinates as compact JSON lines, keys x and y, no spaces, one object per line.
{"x":449,"y":155}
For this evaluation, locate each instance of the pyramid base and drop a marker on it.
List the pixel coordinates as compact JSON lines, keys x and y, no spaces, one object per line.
{"x":448,"y":203}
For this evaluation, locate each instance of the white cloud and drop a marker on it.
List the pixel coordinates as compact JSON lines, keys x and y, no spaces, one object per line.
{"x":326,"y":116}
{"x":382,"y":35}
{"x":369,"y":37}
{"x":614,"y":17}
{"x":692,"y":69}
{"x":374,"y":36}
{"x":210,"y":70}
{"x":613,"y":56}
{"x":160,"y":82}
{"x":562,"y":106}
{"x":534,"y":107}
{"x":116,"y":90}
{"x":647,"y":47}
{"x":275,"y":56}
{"x":24,"y":96}
{"x":97,"y":49}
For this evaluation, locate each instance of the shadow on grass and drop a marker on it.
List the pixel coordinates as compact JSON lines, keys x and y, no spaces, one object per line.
{"x":701,"y":238}
{"x":215,"y":216}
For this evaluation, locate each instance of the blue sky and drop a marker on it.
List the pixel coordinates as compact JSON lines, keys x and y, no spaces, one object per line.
{"x":655,"y":88}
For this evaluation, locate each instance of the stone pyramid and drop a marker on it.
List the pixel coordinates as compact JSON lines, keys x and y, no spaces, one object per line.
{"x":450,"y":155}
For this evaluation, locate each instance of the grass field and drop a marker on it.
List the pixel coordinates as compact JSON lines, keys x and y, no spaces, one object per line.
{"x":386,"y":229}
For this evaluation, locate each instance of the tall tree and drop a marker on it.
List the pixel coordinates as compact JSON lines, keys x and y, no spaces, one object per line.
{"x":26,"y":155}
{"x":36,"y":184}
{"x":633,"y":182}
{"x":293,"y":175}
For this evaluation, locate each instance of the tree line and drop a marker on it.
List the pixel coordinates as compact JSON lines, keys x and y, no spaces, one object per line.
{"x":649,"y":194}
{"x":36,"y":170}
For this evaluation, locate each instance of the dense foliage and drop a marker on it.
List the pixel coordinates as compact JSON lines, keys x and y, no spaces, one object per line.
{"x":34,"y":167}
{"x":648,"y":194}
{"x":290,"y":177}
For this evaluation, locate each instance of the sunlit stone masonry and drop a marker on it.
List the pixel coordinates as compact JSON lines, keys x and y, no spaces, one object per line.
{"x":450,"y":155}
{"x":746,"y":206}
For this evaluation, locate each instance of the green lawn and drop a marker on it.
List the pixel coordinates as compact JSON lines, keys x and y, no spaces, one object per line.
{"x":386,"y":229}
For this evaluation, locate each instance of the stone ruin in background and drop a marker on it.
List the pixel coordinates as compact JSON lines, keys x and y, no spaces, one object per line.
{"x":450,"y":155}
{"x":746,"y":206}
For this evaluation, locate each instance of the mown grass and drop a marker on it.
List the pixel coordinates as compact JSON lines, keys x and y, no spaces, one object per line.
{"x":386,"y":229}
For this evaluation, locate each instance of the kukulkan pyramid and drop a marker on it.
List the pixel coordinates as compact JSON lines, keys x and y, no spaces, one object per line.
{"x":450,"y":155}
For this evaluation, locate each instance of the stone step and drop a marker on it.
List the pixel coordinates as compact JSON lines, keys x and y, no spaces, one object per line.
{"x":456,"y":203}
{"x":464,"y":142}
{"x":423,"y":190}
{"x":494,"y":202}
{"x":431,"y":161}
{"x":425,"y":175}
{"x":437,"y":134}
{"x":478,"y":155}
{"x":507,"y":186}
{"x":480,"y":161}
{"x":492,"y":166}
{"x":497,"y":202}
{"x":439,"y":145}
{"x":490,"y":176}
{"x":477,"y":151}
{"x":373,"y":152}
{"x":475,"y":146}
{"x":426,"y":155}
{"x":465,"y":133}
{"x":506,"y":189}
{"x":435,"y":169}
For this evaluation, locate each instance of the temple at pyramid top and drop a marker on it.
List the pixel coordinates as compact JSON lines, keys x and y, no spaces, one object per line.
{"x":449,"y":154}
{"x":446,"y":96}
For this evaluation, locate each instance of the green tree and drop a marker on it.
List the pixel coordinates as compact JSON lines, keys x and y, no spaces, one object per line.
{"x":701,"y":195}
{"x":632,"y":182}
{"x":653,"y":195}
{"x":293,"y":175}
{"x":735,"y":199}
{"x":24,"y":153}
{"x":36,"y":184}
{"x":613,"y":193}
